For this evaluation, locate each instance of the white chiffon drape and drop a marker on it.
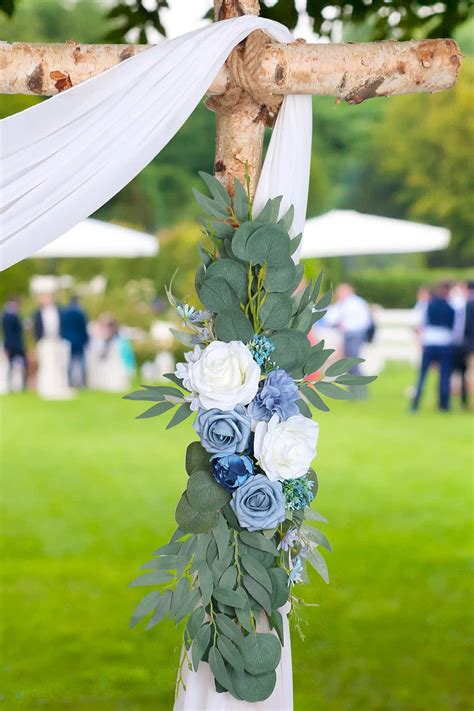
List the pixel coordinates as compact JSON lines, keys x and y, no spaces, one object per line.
{"x":199,"y":693}
{"x":64,"y":158}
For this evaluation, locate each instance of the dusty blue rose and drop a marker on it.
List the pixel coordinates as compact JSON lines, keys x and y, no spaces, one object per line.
{"x":277,"y":394}
{"x":223,"y":432}
{"x":231,"y":471}
{"x":259,"y":503}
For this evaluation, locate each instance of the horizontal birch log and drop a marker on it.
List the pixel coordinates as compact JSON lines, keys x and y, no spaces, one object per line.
{"x":350,"y":72}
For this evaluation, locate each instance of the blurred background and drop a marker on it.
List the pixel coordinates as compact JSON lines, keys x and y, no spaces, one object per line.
{"x":88,"y":494}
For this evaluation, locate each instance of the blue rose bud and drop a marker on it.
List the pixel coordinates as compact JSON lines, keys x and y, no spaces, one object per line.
{"x":232,"y":471}
{"x":259,"y":503}
{"x":223,"y":432}
{"x":277,"y":394}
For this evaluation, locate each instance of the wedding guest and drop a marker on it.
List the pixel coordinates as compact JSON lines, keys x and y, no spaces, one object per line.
{"x":14,"y":343}
{"x":352,"y":317}
{"x":111,"y":357}
{"x":74,"y":330}
{"x":52,"y":350}
{"x":468,"y":341}
{"x":437,"y":333}
{"x":458,"y":300}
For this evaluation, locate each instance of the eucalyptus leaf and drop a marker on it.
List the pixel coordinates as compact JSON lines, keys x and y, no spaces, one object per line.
{"x":295,"y":242}
{"x":212,"y":207}
{"x":230,"y":653}
{"x":241,"y":202}
{"x":303,"y":408}
{"x":174,"y":379}
{"x":258,"y":540}
{"x":233,"y":598}
{"x":280,"y":587}
{"x":275,"y":312}
{"x":270,"y":210}
{"x":281,"y":278}
{"x":319,"y":564}
{"x":181,"y":414}
{"x":200,"y":644}
{"x":218,"y":668}
{"x":197,"y":459}
{"x":253,"y":688}
{"x":221,"y":535}
{"x":350,"y":379}
{"x":257,"y":571}
{"x":333,"y":391}
{"x":216,"y":189}
{"x":233,"y":325}
{"x":217,"y":295}
{"x":240,"y":239}
{"x":205,"y":493}
{"x":276,"y":621}
{"x":195,"y":621}
{"x":155,"y":578}
{"x":145,"y":606}
{"x":317,"y":536}
{"x":287,"y":220}
{"x":261,"y":653}
{"x":316,"y":359}
{"x":292,"y":349}
{"x":244,"y":617}
{"x":206,"y":583}
{"x":230,"y":629}
{"x":228,"y":578}
{"x":179,"y":595}
{"x":258,"y":593}
{"x":161,"y":610}
{"x":324,"y":301}
{"x":233,"y":273}
{"x":269,"y":244}
{"x":184,"y":338}
{"x":314,"y":398}
{"x":342,"y":366}
{"x":192,"y":521}
{"x":165,"y":562}
{"x":302,"y":322}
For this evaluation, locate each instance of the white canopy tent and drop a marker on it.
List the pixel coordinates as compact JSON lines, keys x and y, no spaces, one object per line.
{"x":341,"y":233}
{"x":94,"y":238}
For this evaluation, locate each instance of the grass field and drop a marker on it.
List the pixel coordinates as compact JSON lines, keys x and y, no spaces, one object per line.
{"x":88,"y":494}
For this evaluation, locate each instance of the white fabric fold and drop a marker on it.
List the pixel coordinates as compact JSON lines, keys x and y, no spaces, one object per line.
{"x":64,"y":158}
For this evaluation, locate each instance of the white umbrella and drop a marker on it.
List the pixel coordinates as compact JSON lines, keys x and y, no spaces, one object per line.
{"x":94,"y":238}
{"x":346,"y":232}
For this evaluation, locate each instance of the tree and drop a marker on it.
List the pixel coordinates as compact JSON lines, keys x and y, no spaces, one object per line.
{"x":420,"y":166}
{"x":400,"y":19}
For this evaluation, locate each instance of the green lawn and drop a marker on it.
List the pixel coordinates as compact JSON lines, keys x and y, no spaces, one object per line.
{"x":88,"y":493}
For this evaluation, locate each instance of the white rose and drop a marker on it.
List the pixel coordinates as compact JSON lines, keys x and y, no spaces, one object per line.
{"x":225,"y":375}
{"x":284,"y":450}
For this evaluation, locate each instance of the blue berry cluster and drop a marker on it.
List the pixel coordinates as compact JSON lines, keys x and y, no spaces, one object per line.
{"x":298,"y":492}
{"x":261,"y":347}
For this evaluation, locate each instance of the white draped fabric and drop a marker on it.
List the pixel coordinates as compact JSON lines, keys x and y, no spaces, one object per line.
{"x":64,"y":158}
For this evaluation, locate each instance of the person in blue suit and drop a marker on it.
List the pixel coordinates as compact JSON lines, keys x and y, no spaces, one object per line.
{"x":437,"y":336}
{"x":13,"y":338}
{"x":74,"y":330}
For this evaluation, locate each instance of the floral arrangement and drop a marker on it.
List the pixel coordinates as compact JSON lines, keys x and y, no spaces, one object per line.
{"x":243,"y":539}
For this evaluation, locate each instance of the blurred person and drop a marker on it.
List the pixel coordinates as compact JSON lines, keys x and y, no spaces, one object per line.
{"x":458,"y":300}
{"x":52,"y":350}
{"x":14,"y":344}
{"x":352,"y":317}
{"x":437,"y":334}
{"x":468,"y":341}
{"x":74,"y":330}
{"x":112,"y":360}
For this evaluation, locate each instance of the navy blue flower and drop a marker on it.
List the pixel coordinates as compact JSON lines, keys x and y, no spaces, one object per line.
{"x":277,"y":394}
{"x":231,"y":471}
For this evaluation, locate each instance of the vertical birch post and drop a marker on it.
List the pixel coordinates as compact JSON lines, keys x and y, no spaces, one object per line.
{"x":240,"y":119}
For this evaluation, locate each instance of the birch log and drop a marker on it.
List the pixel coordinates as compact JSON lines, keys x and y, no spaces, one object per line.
{"x":339,"y":70}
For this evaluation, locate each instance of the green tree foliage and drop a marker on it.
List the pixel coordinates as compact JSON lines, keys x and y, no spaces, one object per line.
{"x":419,"y":166}
{"x":384,"y":18}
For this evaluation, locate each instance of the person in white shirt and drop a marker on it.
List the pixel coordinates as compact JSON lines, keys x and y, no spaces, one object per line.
{"x":351,"y":316}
